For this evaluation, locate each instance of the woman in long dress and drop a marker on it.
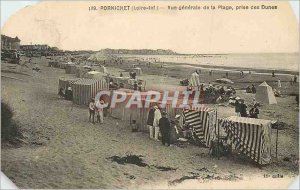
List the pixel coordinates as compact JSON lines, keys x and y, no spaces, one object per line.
{"x":279,"y":83}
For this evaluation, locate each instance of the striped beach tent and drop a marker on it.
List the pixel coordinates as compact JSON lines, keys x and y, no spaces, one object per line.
{"x":65,"y":82}
{"x":139,"y":114}
{"x":63,"y":65}
{"x":53,"y":64}
{"x":119,"y":111}
{"x":194,"y":80}
{"x":250,"y":136}
{"x":70,"y":68}
{"x":82,"y":70}
{"x":85,"y":89}
{"x":202,"y":120}
{"x":130,"y":113}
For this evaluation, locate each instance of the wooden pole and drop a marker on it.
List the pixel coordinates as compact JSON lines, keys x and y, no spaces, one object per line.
{"x":130,"y":120}
{"x":123,"y":113}
{"x":276,"y":139}
{"x":218,"y":133}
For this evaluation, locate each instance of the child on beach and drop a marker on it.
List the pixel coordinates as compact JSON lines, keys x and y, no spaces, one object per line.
{"x":99,"y":111}
{"x":92,"y":110}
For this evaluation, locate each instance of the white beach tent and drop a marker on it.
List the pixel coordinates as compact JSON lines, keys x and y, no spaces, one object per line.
{"x":70,"y":68}
{"x":265,"y":94}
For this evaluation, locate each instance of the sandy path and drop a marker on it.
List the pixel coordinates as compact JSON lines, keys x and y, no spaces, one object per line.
{"x":73,"y":151}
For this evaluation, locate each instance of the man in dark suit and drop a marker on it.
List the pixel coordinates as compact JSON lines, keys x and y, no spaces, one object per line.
{"x":165,"y":128}
{"x":243,"y":109}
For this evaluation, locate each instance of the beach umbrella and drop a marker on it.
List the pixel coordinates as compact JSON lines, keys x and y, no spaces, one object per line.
{"x":224,"y":80}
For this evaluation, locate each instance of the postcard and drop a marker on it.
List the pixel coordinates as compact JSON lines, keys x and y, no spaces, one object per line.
{"x":149,"y":94}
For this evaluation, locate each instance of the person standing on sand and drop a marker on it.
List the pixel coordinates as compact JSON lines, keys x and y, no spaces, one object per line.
{"x":157,"y":117}
{"x":279,"y":83}
{"x":237,"y":106}
{"x":253,"y":89}
{"x":254,"y":112}
{"x":99,"y":110}
{"x":165,"y":127}
{"x":92,"y":110}
{"x":243,"y":109}
{"x":61,"y":93}
{"x":135,"y":86}
{"x":273,"y":73}
{"x":150,"y":121}
{"x":69,"y":93}
{"x":254,"y":102}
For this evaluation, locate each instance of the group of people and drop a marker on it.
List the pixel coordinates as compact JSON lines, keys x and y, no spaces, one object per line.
{"x":132,"y":74}
{"x":67,"y":94}
{"x":137,"y":85}
{"x":113,"y":85}
{"x":98,"y":109}
{"x":160,"y":125}
{"x":251,"y":89}
{"x":213,"y":94}
{"x":241,"y":108}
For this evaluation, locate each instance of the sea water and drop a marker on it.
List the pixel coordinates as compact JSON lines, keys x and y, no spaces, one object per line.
{"x":268,"y":61}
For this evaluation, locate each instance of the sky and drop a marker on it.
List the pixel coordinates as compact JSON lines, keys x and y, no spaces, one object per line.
{"x":9,"y":8}
{"x":214,"y":41}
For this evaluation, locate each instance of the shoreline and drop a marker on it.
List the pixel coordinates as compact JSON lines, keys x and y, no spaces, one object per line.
{"x":222,"y":66}
{"x":238,"y":69}
{"x":232,"y":69}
